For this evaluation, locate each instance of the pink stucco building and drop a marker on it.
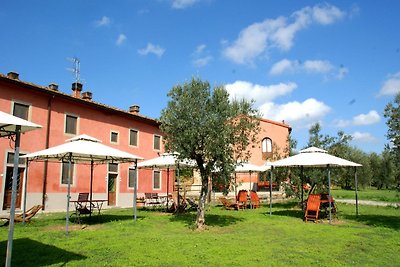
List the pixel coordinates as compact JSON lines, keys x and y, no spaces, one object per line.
{"x":65,"y":115}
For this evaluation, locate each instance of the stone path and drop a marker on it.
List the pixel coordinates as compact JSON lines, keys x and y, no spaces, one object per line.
{"x":368,"y":202}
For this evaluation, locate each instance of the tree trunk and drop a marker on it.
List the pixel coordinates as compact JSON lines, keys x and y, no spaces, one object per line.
{"x":200,"y":219}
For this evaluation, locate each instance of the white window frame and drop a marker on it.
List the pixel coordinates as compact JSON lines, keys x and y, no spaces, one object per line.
{"x":137,"y":137}
{"x":137,"y":178}
{"x":13,"y":102}
{"x":73,"y":174}
{"x":152,"y":180}
{"x":65,"y":124}
{"x":111,"y":141}
{"x":154,"y":137}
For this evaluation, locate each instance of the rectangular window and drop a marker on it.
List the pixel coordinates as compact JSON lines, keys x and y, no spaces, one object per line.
{"x":10,"y":159}
{"x":157,"y":142}
{"x":65,"y":173}
{"x":156,"y":180}
{"x":21,"y":111}
{"x":71,"y":123}
{"x":132,"y":177}
{"x":113,"y":167}
{"x":133,"y":137}
{"x":114,"y":137}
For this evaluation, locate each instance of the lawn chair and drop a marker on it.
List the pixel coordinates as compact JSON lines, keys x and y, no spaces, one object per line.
{"x":229,"y":205}
{"x":82,"y":206}
{"x":312,"y":209}
{"x":242,"y":198}
{"x":255,"y":200}
{"x":20,"y":217}
{"x":193,"y":205}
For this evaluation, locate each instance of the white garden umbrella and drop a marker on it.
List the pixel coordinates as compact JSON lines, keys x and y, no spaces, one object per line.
{"x":245,"y":167}
{"x":316,"y":157}
{"x":14,"y":126}
{"x":167,"y":161}
{"x":84,"y":149}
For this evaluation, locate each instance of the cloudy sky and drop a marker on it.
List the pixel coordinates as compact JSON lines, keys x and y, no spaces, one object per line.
{"x":302,"y":62}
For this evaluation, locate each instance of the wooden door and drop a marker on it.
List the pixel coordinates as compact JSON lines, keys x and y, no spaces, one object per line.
{"x":8,"y":188}
{"x":112,"y":178}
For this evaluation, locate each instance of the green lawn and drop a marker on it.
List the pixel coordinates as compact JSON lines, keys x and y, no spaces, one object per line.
{"x":368,"y":194}
{"x":233,"y":238}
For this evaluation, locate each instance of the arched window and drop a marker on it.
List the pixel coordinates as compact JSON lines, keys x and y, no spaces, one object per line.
{"x":266,"y":148}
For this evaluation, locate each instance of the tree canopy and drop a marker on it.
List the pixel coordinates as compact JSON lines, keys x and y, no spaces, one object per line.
{"x":204,"y":125}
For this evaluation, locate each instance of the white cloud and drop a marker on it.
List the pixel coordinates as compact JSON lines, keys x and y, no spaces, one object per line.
{"x":104,"y":21}
{"x":152,"y":49}
{"x":201,"y":57}
{"x":297,"y":114}
{"x":258,"y":93}
{"x":283,"y":66}
{"x":371,"y":117}
{"x":363,"y":137}
{"x":391,"y":86}
{"x":327,"y":14}
{"x":121,"y":39}
{"x":317,"y":66}
{"x":254,"y":40}
{"x":310,"y":66}
{"x":182,"y":4}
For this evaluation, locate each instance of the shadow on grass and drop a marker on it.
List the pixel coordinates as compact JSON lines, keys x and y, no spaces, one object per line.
{"x":289,"y":213}
{"x":189,"y":218}
{"x":104,"y":218}
{"x":28,"y":252}
{"x":392,"y":222}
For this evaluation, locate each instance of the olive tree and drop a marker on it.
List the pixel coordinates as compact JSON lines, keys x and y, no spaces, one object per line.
{"x":204,"y":125}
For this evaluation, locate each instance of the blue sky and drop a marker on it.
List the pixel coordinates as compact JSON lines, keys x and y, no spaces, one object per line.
{"x":303,"y":62}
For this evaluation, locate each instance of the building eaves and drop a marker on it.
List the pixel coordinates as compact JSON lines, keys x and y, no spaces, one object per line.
{"x":76,"y":99}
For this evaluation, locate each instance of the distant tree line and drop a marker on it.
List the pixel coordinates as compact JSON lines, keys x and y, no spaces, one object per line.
{"x":379,"y":170}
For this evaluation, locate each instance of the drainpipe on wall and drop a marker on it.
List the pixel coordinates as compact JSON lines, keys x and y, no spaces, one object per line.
{"x":46,"y":163}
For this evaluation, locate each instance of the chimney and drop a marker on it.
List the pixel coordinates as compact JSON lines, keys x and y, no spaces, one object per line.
{"x":13,"y":75}
{"x":76,"y":89}
{"x":53,"y":86}
{"x":134,"y":109}
{"x":87,"y":95}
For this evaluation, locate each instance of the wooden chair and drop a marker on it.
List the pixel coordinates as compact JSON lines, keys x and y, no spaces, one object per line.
{"x":242,"y":198}
{"x":20,"y":217}
{"x":312,"y":209}
{"x":229,"y":205}
{"x":255,"y":200}
{"x":192,"y":203}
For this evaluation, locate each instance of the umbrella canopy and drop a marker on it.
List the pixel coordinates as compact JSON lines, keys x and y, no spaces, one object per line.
{"x":316,"y":157}
{"x":245,"y":167}
{"x":11,"y":125}
{"x":84,"y":148}
{"x":8,"y":124}
{"x":165,"y":161}
{"x":313,"y":157}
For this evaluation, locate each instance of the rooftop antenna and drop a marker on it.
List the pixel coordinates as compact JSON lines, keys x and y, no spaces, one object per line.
{"x":76,"y":69}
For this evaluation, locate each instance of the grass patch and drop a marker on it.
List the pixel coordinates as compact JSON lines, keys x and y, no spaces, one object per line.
{"x":232,"y":238}
{"x":368,"y":194}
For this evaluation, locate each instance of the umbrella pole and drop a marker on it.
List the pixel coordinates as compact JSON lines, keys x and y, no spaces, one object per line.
{"x":135,"y":192}
{"x":270,"y":191}
{"x":235,"y":189}
{"x":25,"y":188}
{"x":329,"y":195}
{"x":69,"y":192}
{"x":166,"y":209}
{"x":251,"y":206}
{"x":301,"y":185}
{"x":91,"y":188}
{"x":13,"y":195}
{"x":356,"y":185}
